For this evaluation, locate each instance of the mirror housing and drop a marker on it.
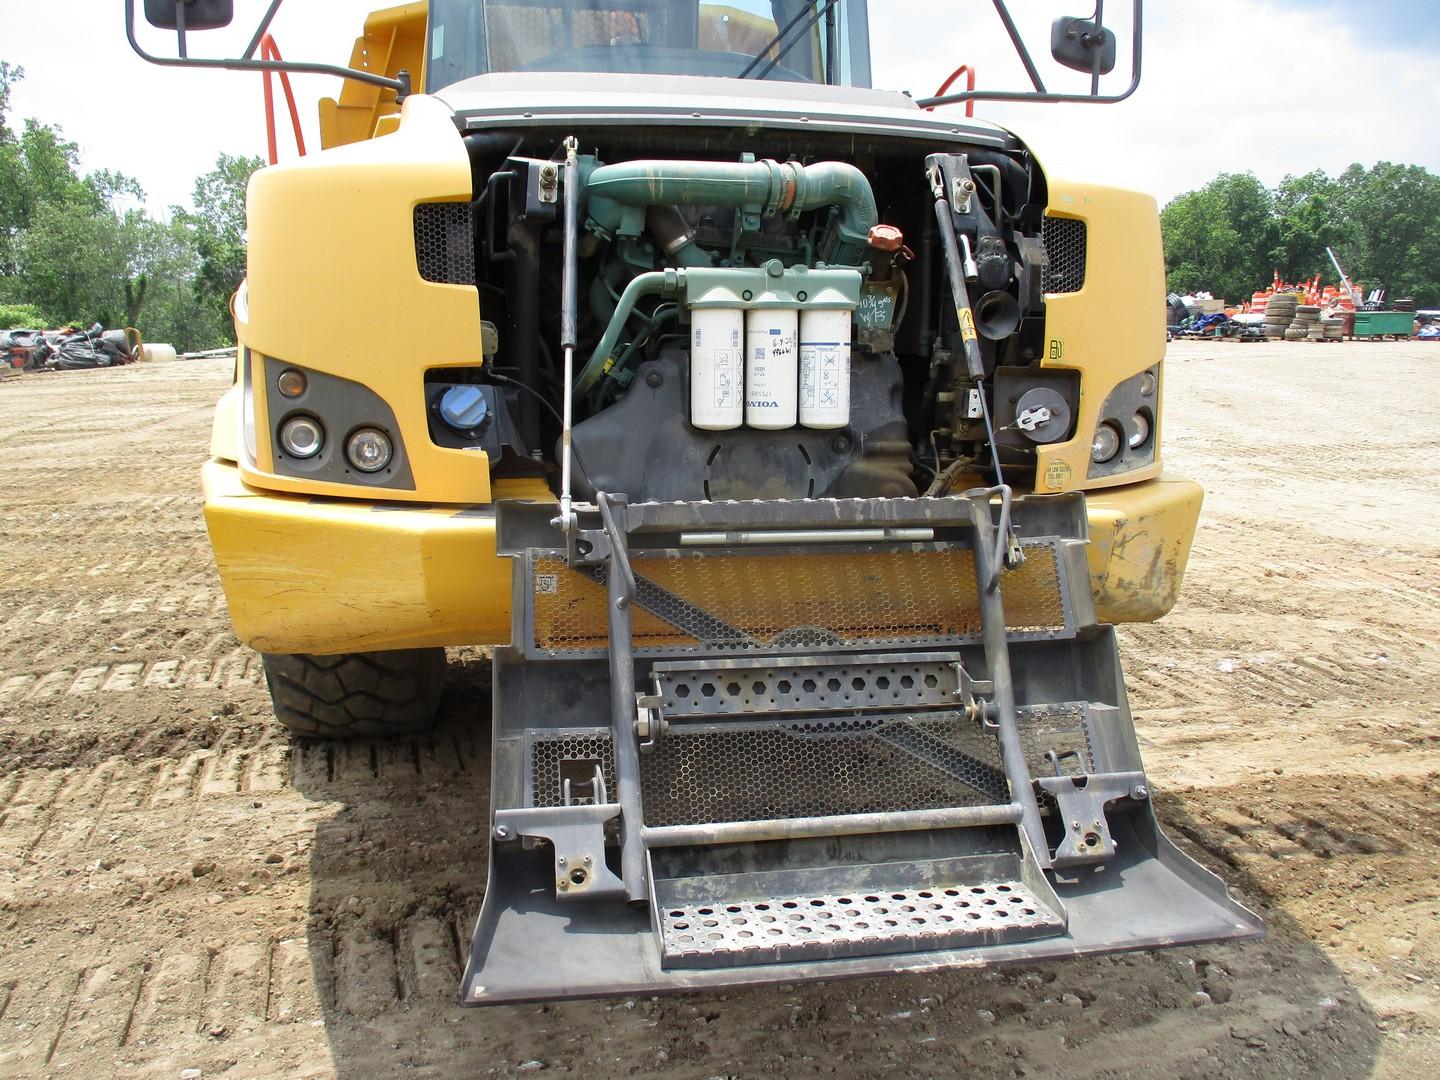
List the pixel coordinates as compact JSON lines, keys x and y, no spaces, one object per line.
{"x":1077,"y":43}
{"x":199,"y":14}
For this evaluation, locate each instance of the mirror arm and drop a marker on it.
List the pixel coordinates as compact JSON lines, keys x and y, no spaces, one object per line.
{"x":1019,"y":43}
{"x":265,"y":25}
{"x":1025,"y":95}
{"x":1095,"y":67}
{"x":400,"y":86}
{"x":180,"y":29}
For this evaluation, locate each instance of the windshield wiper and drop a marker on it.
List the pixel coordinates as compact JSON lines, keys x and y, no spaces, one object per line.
{"x":814,"y":16}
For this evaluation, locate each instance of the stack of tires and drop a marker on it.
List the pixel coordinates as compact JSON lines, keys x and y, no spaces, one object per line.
{"x":1279,"y":314}
{"x":1307,"y":319}
{"x":1334,"y":329}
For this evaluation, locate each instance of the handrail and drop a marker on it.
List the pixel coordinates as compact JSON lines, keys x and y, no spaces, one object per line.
{"x":270,"y":51}
{"x":969,"y":73}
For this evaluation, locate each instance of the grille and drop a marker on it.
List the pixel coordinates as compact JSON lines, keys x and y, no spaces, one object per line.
{"x":759,"y":602}
{"x":806,"y":927}
{"x":552,"y":753}
{"x":727,"y":775}
{"x":1060,"y":728}
{"x":1065,"y":242}
{"x":445,"y":243}
{"x":820,"y":768}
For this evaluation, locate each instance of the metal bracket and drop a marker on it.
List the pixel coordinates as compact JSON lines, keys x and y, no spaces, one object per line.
{"x":577,"y":833}
{"x":650,"y":722}
{"x":1081,"y":801}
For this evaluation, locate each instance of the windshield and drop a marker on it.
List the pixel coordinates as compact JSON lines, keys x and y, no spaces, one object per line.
{"x":824,"y":41}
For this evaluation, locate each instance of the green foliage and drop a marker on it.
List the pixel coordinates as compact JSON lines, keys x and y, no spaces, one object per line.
{"x":74,"y":248}
{"x":1232,"y":235}
{"x":23,"y":317}
{"x":217,"y":228}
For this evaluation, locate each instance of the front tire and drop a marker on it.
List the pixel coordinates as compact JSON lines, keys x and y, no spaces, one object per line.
{"x":351,"y":695}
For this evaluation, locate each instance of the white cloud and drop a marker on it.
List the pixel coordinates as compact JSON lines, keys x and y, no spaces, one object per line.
{"x":1246,"y":85}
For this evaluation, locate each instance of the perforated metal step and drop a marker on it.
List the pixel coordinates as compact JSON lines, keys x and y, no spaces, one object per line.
{"x":853,"y":924}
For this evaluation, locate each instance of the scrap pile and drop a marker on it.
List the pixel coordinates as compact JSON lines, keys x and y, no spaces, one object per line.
{"x":69,"y":349}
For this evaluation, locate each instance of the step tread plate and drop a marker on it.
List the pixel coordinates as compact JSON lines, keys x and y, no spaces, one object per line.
{"x":732,"y":933}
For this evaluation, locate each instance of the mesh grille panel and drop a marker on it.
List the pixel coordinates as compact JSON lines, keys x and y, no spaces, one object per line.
{"x":1065,"y":241}
{"x":820,"y":768}
{"x":445,"y":243}
{"x":1060,"y":728}
{"x":796,"y":602}
{"x":550,"y":753}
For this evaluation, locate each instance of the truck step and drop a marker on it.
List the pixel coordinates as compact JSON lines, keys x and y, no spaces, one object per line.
{"x":812,"y":927}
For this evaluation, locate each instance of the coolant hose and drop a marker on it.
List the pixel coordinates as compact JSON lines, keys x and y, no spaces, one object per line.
{"x":656,"y":282}
{"x":768,"y":187}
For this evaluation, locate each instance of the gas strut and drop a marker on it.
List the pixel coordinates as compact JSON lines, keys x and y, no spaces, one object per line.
{"x":974,"y":363}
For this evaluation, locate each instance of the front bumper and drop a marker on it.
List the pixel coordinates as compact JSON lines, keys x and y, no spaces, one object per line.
{"x":336,"y":575}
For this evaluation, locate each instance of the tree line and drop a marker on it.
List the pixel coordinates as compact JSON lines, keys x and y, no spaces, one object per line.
{"x":1231,"y":235}
{"x":76,"y":248}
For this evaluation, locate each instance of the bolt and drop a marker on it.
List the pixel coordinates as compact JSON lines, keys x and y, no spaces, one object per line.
{"x":654,"y":378}
{"x":562,"y":884}
{"x":502,"y":832}
{"x":588,"y":860}
{"x":1139,"y":791}
{"x":1075,"y":825}
{"x":561,"y":860}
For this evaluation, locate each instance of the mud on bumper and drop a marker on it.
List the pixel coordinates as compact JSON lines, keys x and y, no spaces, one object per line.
{"x":337,"y":575}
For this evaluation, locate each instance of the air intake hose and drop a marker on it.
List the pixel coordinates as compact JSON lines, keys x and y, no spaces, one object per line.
{"x":766,"y":188}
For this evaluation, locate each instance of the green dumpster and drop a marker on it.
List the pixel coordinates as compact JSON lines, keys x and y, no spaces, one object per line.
{"x":1384,"y":323}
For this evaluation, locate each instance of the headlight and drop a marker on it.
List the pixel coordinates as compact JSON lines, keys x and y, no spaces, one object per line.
{"x":369,"y":450}
{"x":1139,"y":430}
{"x":1106,"y":443}
{"x":302,"y":436}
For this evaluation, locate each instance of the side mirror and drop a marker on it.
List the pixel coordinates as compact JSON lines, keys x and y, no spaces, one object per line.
{"x":1076,"y":43}
{"x":198,"y":14}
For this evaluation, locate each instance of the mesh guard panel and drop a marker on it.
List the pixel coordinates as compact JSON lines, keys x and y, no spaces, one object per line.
{"x":820,"y":768}
{"x":1065,"y":242}
{"x":445,"y":243}
{"x":816,"y":600}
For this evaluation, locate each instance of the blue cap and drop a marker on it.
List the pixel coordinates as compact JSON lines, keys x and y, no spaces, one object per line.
{"x":464,"y":408}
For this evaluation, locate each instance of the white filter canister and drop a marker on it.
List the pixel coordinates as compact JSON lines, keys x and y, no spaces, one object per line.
{"x":772,"y":367}
{"x":717,"y":368}
{"x":825,"y":368}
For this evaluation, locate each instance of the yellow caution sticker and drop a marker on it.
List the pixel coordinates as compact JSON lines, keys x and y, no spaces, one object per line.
{"x":967,"y":324}
{"x":1057,"y":475}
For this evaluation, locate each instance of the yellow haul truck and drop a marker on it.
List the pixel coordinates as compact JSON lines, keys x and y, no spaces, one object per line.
{"x":794,"y":447}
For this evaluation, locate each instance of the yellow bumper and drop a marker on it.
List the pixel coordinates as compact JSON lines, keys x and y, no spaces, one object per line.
{"x":1140,"y":538}
{"x":327,"y":576}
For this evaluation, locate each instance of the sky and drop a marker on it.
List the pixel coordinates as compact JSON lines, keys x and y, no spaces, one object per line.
{"x":1268,"y":86}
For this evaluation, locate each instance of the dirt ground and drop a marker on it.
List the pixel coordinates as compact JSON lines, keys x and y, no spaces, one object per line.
{"x":182,"y":887}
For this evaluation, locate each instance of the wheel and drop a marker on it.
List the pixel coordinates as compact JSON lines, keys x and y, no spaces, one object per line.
{"x":355,"y":694}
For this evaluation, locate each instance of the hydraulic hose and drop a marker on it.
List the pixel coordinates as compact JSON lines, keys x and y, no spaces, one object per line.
{"x":767,"y":187}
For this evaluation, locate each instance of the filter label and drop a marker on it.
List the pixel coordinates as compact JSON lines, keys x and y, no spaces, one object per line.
{"x":725,"y":387}
{"x":824,"y":374}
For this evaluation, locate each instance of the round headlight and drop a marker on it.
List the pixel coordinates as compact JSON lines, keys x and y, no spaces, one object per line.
{"x":302,"y":436}
{"x":369,"y":449}
{"x":1106,"y":443}
{"x":1139,"y":431}
{"x":291,"y":383}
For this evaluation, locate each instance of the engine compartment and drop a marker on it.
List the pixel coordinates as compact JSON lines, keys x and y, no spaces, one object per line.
{"x":759,"y":314}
